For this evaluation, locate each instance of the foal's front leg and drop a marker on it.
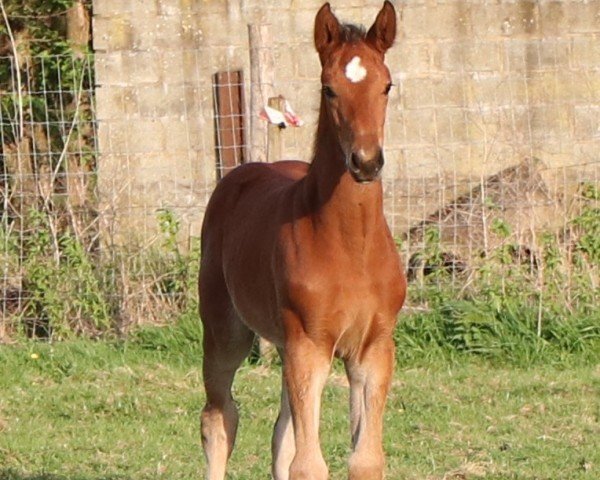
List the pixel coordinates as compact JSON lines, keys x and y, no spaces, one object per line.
{"x":370,"y":377}
{"x":305,"y":372}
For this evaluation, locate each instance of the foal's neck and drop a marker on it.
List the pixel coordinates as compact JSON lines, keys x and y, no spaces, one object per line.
{"x":335,"y":199}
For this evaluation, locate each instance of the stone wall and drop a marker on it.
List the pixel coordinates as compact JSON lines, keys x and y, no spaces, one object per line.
{"x":481,"y":85}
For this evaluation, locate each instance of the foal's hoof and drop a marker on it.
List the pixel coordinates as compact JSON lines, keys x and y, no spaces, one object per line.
{"x":366,"y":474}
{"x":308,"y":471}
{"x":365,"y":471}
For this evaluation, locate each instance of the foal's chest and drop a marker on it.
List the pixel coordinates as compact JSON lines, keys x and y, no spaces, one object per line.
{"x":341,"y":292}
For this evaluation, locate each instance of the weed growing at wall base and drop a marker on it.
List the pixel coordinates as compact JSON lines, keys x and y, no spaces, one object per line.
{"x":507,"y":335}
{"x":513,"y":304}
{"x":61,"y":287}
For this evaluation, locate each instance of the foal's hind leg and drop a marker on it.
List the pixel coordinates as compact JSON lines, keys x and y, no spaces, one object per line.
{"x":227,"y":342}
{"x":283,"y":445}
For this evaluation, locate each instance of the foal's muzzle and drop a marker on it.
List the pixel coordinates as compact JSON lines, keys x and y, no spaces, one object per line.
{"x":365,"y":168}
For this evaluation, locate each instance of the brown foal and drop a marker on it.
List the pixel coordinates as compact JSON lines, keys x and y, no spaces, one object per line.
{"x":301,"y":255}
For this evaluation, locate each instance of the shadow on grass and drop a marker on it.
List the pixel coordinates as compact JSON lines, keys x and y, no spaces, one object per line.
{"x":15,"y":475}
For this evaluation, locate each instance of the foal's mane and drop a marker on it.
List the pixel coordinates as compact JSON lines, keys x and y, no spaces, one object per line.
{"x":352,"y":33}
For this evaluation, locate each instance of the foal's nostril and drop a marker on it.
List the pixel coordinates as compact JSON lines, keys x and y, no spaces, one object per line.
{"x":355,"y":162}
{"x":379,"y":160}
{"x":365,"y":169}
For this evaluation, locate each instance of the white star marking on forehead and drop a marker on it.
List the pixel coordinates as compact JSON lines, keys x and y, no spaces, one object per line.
{"x":355,"y":72}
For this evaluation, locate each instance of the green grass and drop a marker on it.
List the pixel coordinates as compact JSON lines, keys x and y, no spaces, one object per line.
{"x":86,"y":410}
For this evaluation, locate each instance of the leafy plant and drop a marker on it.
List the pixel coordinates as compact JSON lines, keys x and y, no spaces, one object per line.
{"x":519,"y":304}
{"x":61,"y":283}
{"x":177,"y":271}
{"x":588,"y":224}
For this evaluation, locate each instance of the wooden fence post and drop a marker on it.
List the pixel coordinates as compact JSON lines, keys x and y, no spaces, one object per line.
{"x":261,"y":87}
{"x":275,"y":132}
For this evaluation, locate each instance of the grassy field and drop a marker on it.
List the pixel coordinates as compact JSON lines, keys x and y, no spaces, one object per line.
{"x":85,"y":410}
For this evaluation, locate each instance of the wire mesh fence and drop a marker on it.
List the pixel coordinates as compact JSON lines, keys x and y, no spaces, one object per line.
{"x":47,"y":180}
{"x":491,"y":178}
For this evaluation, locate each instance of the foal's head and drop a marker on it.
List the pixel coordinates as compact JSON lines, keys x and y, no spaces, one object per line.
{"x":356,"y":84}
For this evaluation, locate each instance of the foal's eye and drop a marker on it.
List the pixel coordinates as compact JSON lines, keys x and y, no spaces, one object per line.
{"x":328,"y":91}
{"x":388,"y":87}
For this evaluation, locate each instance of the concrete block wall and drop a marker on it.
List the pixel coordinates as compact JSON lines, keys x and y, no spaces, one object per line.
{"x":480,"y":86}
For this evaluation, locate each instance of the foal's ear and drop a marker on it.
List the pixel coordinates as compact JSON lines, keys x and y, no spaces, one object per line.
{"x":327,"y":30}
{"x":383,"y":32}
